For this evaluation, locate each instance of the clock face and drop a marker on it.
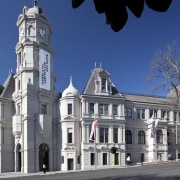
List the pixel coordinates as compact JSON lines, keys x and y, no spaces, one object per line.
{"x":42,"y":32}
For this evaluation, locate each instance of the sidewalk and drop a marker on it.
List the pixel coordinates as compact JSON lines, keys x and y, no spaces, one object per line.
{"x":19,"y":174}
{"x":40,"y":173}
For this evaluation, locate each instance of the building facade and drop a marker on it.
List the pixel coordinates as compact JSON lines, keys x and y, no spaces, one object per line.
{"x":40,"y":125}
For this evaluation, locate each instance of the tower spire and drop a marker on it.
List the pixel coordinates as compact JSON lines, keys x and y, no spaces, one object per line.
{"x":35,"y":2}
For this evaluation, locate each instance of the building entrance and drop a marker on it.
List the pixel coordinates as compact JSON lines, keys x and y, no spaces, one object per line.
{"x":43,"y":156}
{"x":18,"y":155}
{"x":70,"y":164}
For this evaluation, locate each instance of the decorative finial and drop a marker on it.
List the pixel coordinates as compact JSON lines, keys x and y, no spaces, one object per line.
{"x":35,"y":2}
{"x":100,"y":65}
{"x":70,"y":79}
{"x":95,"y":64}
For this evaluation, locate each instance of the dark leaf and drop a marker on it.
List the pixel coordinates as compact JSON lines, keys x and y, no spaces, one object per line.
{"x":116,"y":15}
{"x":159,"y":5}
{"x":100,"y":5}
{"x":76,"y":3}
{"x":136,"y":6}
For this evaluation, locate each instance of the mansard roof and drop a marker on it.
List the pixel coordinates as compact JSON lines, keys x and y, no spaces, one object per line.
{"x":95,"y":75}
{"x":149,"y":99}
{"x":8,"y":87}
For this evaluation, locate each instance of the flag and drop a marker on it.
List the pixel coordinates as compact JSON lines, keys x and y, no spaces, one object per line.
{"x":92,"y":135}
{"x":153,"y":128}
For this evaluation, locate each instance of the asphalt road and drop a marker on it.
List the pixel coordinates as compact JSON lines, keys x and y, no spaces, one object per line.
{"x":168,"y":171}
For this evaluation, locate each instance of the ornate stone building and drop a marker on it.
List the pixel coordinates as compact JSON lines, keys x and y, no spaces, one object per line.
{"x":39,"y":125}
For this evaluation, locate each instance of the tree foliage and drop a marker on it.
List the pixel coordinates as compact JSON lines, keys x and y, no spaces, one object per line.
{"x":116,"y":10}
{"x":166,"y":68}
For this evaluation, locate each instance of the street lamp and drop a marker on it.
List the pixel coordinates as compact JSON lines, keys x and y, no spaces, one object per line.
{"x":176,"y":143}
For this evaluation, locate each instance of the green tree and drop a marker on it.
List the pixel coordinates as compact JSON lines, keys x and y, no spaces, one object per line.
{"x":116,"y":12}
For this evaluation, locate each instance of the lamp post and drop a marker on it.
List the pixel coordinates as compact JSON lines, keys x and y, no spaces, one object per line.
{"x":176,"y":143}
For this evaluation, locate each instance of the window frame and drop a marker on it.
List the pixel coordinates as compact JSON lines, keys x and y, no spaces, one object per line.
{"x":103,"y":109}
{"x":115,"y":109}
{"x":103,"y":135}
{"x":141,"y":137}
{"x":69,"y":135}
{"x":128,"y":112}
{"x":115,"y":135}
{"x":91,"y":108}
{"x":128,"y":136}
{"x":105,"y":159}
{"x":159,"y":136}
{"x":69,"y":108}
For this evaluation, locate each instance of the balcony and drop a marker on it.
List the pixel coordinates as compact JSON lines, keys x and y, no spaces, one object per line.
{"x":17,"y":125}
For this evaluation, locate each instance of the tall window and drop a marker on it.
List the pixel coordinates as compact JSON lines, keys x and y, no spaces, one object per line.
{"x":141,"y":113}
{"x":92,"y":159}
{"x":104,"y":158}
{"x":103,"y":84}
{"x":141,"y":137}
{"x":153,"y":113}
{"x":159,"y":136}
{"x":103,"y":109}
{"x":165,"y":114}
{"x":116,"y":158}
{"x":91,"y":108}
{"x":175,"y":116}
{"x":43,"y":109}
{"x":69,"y":108}
{"x":128,"y":136}
{"x":128,"y":112}
{"x":168,"y":138}
{"x":103,"y":135}
{"x":115,"y":135}
{"x":69,"y":135}
{"x":115,"y":109}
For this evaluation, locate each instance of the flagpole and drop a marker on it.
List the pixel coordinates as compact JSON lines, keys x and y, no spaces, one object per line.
{"x":93,"y":138}
{"x":156,"y":148}
{"x":95,"y":149}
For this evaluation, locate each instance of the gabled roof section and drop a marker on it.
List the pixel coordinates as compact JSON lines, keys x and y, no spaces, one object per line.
{"x":93,"y":86}
{"x":104,"y":73}
{"x":8,"y":87}
{"x":1,"y":89}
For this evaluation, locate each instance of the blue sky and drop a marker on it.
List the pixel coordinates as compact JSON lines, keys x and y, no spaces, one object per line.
{"x":81,"y":38}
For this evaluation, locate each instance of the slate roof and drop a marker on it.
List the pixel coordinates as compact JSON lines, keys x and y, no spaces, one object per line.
{"x":7,"y":89}
{"x":90,"y":86}
{"x":149,"y":99}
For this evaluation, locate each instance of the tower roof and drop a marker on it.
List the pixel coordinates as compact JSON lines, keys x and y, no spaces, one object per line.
{"x":35,"y":9}
{"x":70,"y":91}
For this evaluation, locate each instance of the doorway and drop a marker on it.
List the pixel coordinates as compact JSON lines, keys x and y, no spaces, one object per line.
{"x":18,"y":155}
{"x":70,"y":164}
{"x":43,"y":156}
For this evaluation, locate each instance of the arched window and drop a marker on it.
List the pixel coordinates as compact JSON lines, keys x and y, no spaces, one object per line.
{"x":141,"y":137}
{"x":159,"y":137}
{"x":128,"y":137}
{"x":43,"y":147}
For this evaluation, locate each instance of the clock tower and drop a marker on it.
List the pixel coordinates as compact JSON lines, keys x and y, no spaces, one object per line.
{"x":34,"y":121}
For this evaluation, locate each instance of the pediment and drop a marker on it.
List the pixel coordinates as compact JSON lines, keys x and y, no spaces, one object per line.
{"x":104,"y":73}
{"x":68,"y":117}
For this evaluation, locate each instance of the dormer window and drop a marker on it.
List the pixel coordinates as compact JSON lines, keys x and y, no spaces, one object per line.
{"x":103,"y":85}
